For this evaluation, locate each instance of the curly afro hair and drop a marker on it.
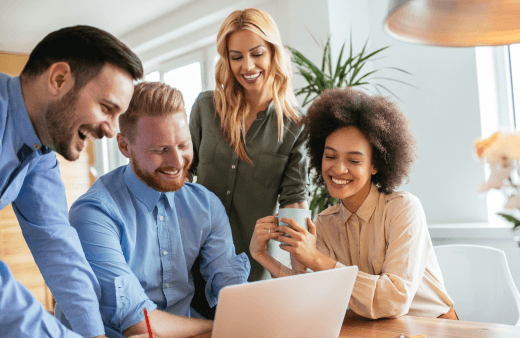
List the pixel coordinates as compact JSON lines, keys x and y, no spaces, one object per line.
{"x":381,"y":122}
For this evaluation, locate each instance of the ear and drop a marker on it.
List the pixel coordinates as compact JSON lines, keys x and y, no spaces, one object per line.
{"x":59,"y":79}
{"x":374,"y":171}
{"x":122,"y":143}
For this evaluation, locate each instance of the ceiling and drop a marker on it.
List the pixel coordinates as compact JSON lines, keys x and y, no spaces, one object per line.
{"x":23,"y":23}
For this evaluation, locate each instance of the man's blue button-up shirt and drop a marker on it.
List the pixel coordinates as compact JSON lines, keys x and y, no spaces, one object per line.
{"x":30,"y":180}
{"x":142,"y":244}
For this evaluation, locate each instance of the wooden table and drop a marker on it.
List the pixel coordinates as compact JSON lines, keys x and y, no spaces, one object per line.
{"x":355,"y":326}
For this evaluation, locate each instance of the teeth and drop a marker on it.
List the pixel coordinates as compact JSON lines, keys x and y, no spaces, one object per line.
{"x":335,"y":180}
{"x":251,"y":77}
{"x":87,"y":134}
{"x":171,"y":172}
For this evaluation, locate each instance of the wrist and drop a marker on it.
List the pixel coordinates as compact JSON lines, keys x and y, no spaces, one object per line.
{"x":322,"y":262}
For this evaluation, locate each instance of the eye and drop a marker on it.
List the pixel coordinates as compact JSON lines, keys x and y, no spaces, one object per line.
{"x":330,"y":157}
{"x":355,"y":161}
{"x":234,"y":58}
{"x":258,"y":54}
{"x":106,"y":109}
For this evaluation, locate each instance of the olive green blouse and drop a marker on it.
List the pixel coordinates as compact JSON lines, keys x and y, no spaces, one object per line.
{"x":249,"y":192}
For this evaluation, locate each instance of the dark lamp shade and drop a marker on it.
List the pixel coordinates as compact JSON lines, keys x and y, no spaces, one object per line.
{"x":454,"y":23}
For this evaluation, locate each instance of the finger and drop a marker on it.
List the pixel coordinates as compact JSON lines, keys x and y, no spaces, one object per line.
{"x":297,"y":227}
{"x":312,"y":226}
{"x":287,"y":230}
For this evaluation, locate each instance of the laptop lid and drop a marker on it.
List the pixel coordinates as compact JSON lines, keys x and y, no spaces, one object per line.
{"x":306,"y":305}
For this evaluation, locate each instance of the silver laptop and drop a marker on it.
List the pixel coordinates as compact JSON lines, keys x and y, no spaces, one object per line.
{"x":307,"y":305}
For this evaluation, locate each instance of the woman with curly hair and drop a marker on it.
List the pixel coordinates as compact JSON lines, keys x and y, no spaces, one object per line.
{"x":362,"y":147}
{"x":248,"y":144}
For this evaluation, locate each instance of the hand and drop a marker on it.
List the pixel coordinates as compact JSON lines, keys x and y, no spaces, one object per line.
{"x":302,"y":244}
{"x":263,"y":233}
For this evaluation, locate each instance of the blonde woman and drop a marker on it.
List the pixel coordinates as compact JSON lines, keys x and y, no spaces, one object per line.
{"x":248,"y":145}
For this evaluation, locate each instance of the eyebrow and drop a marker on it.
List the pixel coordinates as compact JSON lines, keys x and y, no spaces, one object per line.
{"x":236,"y":51}
{"x":350,"y":152}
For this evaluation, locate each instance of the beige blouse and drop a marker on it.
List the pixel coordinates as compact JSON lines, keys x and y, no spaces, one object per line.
{"x":388,"y":239}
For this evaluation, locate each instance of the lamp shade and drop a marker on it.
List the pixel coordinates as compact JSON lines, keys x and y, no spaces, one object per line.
{"x":455,"y":23}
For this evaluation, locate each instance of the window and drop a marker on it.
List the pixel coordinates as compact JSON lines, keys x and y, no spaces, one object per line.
{"x":188,"y":80}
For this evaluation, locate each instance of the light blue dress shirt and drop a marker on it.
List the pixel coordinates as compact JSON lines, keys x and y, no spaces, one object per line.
{"x":142,"y":244}
{"x":30,"y":180}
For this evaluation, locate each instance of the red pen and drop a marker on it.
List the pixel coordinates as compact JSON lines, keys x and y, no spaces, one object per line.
{"x":148,"y":326}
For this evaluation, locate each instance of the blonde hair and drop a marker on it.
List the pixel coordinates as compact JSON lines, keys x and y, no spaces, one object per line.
{"x":150,"y":99}
{"x":229,"y":95}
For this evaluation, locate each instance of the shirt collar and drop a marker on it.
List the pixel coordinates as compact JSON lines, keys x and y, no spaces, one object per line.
{"x":366,"y":209}
{"x":147,"y":195}
{"x":21,"y":119}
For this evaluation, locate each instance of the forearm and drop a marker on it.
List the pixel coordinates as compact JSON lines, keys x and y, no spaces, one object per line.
{"x":322,"y":262}
{"x":165,"y":325}
{"x":269,"y":263}
{"x":298,"y":205}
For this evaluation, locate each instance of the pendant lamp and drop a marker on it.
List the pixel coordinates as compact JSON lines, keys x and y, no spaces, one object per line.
{"x":454,"y":23}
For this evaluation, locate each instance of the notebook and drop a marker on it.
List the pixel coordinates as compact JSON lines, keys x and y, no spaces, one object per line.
{"x":306,"y":305}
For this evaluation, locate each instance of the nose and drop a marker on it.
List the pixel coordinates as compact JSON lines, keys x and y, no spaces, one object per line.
{"x":175,"y":159}
{"x":109,"y":127}
{"x":342,"y":167}
{"x":249,"y":63}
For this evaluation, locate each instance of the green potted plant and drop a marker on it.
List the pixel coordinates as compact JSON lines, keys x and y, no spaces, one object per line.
{"x":346,"y":72}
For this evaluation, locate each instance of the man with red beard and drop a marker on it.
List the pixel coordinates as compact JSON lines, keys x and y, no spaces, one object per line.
{"x":76,"y":83}
{"x":142,"y":226}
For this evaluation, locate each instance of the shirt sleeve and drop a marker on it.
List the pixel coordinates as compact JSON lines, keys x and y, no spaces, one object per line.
{"x":220,"y":266}
{"x":408,"y":247}
{"x":41,"y":209}
{"x":22,"y":314}
{"x":122,"y":296}
{"x":196,"y":134}
{"x":294,"y":185}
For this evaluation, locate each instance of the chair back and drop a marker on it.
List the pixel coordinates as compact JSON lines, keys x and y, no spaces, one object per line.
{"x":478,"y":280}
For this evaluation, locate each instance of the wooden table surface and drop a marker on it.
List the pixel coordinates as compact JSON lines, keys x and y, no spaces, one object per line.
{"x":355,"y":326}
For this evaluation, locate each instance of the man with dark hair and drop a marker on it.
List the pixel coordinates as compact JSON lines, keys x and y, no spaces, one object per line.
{"x":142,"y":226}
{"x":77,"y":82}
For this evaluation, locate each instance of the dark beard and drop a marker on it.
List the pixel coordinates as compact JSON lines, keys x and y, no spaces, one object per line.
{"x":153,"y":181}
{"x":60,"y":120}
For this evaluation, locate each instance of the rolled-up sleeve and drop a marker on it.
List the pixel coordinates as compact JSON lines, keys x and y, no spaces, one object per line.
{"x":220,"y":266}
{"x":41,"y":209}
{"x":295,"y":183}
{"x":122,"y":296}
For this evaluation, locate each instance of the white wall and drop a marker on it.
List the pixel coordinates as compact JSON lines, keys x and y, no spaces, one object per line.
{"x":444,"y":114}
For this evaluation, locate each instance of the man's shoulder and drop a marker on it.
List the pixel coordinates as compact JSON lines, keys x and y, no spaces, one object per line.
{"x":197,"y":195}
{"x":105,"y":187}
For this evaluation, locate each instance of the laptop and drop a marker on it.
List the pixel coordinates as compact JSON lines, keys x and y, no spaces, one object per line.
{"x":306,"y":305}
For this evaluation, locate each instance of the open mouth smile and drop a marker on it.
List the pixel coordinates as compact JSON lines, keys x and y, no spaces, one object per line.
{"x":340,"y":182}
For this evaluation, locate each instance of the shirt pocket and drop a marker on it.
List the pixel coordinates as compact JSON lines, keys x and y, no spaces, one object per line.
{"x":207,"y":147}
{"x":270,"y":168}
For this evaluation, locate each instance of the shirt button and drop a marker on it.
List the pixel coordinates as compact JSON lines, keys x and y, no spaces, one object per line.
{"x":233,"y":166}
{"x":161,"y":218}
{"x":165,"y":253}
{"x":229,"y":192}
{"x":36,"y":146}
{"x":167,"y":285}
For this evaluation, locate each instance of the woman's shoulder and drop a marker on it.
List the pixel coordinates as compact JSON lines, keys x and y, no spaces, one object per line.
{"x":204,"y":95}
{"x":329,"y":213}
{"x":401,"y":200}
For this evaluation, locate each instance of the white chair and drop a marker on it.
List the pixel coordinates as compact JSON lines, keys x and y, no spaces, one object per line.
{"x":478,"y":280}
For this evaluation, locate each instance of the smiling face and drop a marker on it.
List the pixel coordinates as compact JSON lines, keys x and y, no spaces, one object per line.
{"x":250,"y":61}
{"x":162,"y":151}
{"x":90,"y":112}
{"x":347,"y":166}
